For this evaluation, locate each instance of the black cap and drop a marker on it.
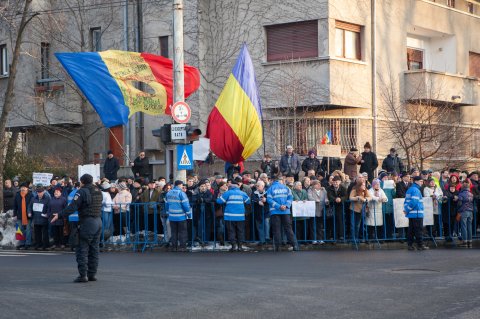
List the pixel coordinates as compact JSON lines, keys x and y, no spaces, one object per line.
{"x":353,"y":149}
{"x":178,"y":183}
{"x":417,"y":178}
{"x":86,"y":179}
{"x":109,"y":152}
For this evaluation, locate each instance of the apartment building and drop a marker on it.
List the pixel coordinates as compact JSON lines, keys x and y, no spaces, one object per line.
{"x":321,"y":66}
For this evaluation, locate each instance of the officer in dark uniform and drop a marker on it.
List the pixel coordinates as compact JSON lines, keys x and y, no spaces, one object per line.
{"x":88,"y":203}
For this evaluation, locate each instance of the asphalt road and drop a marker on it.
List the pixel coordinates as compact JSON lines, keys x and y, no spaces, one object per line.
{"x":438,"y":283}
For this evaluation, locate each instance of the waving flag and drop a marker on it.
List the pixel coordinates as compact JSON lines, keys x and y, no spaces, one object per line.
{"x":19,"y":234}
{"x":234,"y":125}
{"x":107,"y":79}
{"x":327,"y":139}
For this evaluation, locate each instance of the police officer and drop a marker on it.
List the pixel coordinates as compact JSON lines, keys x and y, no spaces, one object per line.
{"x":178,"y":209}
{"x":279,"y":199}
{"x":88,"y":202}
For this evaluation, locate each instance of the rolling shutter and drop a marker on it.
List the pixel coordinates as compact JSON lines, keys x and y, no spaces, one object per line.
{"x":474,"y":62}
{"x":292,"y":41}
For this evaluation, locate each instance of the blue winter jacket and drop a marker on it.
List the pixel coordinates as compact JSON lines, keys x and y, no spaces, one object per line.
{"x":279,"y":195}
{"x":234,"y":200}
{"x":465,"y":201}
{"x":177,"y":205}
{"x":413,"y":205}
{"x":38,"y":207}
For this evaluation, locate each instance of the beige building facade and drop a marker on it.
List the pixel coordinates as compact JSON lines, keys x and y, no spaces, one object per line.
{"x":321,"y":66}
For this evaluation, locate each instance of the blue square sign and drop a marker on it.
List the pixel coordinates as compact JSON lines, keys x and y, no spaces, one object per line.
{"x":184,"y":156}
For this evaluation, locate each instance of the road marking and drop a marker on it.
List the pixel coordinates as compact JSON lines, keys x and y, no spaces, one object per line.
{"x":25,"y":253}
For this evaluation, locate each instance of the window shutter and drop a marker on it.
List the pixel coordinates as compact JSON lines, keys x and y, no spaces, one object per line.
{"x":347,"y":26}
{"x":292,"y":40}
{"x":474,"y":62}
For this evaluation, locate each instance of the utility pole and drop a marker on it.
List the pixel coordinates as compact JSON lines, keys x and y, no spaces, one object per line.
{"x":178,"y":71}
{"x":125,"y":47}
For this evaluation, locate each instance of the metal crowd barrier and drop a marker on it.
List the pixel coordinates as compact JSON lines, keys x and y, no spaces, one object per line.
{"x":145,"y":225}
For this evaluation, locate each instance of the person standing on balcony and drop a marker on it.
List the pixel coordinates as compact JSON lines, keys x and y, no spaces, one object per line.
{"x":369,"y":162}
{"x":140,"y":166}
{"x":290,"y":163}
{"x":351,"y":161}
{"x":393,"y":163}
{"x":111,"y":167}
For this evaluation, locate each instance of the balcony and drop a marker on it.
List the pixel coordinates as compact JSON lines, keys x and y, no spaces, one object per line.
{"x":439,"y":87}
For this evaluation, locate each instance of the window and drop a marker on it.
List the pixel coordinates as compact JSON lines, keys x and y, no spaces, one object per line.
{"x":292,"y":40}
{"x":96,"y":39}
{"x":414,"y":59}
{"x":474,"y":63}
{"x":451,"y":3}
{"x":347,"y":40}
{"x":164,"y":46}
{"x":45,"y":60}
{"x":470,"y":7}
{"x":304,"y":134}
{"x":4,"y":60}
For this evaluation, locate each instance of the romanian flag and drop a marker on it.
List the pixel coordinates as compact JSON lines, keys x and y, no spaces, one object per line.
{"x":235,"y":124}
{"x":107,"y":79}
{"x":327,"y":139}
{"x":19,"y":234}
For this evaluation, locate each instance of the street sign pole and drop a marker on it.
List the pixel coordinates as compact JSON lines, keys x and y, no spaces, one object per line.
{"x":178,"y":73}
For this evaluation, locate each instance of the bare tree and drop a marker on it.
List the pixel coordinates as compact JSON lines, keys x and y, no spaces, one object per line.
{"x":423,"y":125}
{"x":10,"y":21}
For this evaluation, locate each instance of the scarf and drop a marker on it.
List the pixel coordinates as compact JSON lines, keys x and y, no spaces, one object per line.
{"x":24,"y":208}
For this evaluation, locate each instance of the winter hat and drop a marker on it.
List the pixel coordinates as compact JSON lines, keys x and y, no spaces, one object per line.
{"x":122,"y":186}
{"x":375,"y":182}
{"x":311,"y":152}
{"x":367,"y":145}
{"x":382,"y":175}
{"x":105,"y":185}
{"x":39,"y":188}
{"x":353,"y":149}
{"x":109,"y":152}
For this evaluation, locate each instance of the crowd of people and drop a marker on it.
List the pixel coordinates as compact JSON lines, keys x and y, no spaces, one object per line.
{"x":353,"y":203}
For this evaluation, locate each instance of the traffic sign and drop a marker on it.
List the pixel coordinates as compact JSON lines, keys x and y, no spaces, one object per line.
{"x":178,"y":131}
{"x":181,"y":112}
{"x":184,"y":156}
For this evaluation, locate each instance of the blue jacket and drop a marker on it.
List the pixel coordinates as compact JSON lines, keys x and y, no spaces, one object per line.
{"x":279,"y":195}
{"x":235,"y":201}
{"x":413,"y":205}
{"x":177,"y":205}
{"x":465,"y":201}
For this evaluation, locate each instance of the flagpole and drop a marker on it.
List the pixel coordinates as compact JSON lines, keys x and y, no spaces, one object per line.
{"x":119,"y":144}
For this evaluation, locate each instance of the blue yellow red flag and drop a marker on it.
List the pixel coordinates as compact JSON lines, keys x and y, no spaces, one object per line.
{"x":235,"y":123}
{"x":18,"y":233}
{"x":327,"y":138}
{"x":108,"y":78}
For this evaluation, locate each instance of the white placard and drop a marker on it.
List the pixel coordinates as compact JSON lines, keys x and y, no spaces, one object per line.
{"x":92,"y":169}
{"x":37,"y":207}
{"x":42,"y":179}
{"x":201,"y":148}
{"x":303,"y":209}
{"x":402,"y":221}
{"x":329,"y":150}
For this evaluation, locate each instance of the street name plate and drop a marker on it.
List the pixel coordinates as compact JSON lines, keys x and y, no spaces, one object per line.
{"x":178,"y":131}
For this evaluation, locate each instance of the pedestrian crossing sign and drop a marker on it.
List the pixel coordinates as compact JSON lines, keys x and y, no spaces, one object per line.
{"x":184,"y":156}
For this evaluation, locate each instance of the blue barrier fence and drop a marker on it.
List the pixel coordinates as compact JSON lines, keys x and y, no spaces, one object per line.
{"x":145,"y":225}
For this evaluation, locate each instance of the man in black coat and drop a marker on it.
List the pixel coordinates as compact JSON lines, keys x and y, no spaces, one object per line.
{"x":140,"y":166}
{"x":8,"y":196}
{"x":403,"y":185}
{"x":311,"y":163}
{"x":369,"y":162}
{"x":392,"y":163}
{"x":111,"y":167}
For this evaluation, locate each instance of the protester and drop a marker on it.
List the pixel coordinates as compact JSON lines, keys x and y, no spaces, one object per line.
{"x":465,"y":208}
{"x":351,"y":161}
{"x":8,"y":196}
{"x":374,"y":217}
{"x":111,"y":167}
{"x":22,"y":216}
{"x":56,"y":205}
{"x":393,"y":163}
{"x":290,"y":163}
{"x":39,"y":209}
{"x":359,"y":196}
{"x":261,"y":212}
{"x":140,"y":166}
{"x":268,"y":166}
{"x":311,"y":163}
{"x":368,"y":162}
